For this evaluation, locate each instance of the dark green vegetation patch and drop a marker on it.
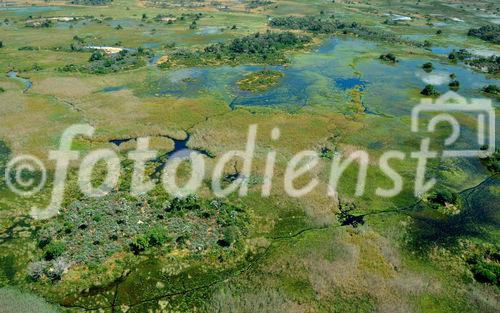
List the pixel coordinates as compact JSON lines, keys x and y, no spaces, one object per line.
{"x":267,"y":48}
{"x":489,"y":33}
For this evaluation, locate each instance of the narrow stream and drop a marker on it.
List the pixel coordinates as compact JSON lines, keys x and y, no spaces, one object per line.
{"x":27,"y":83}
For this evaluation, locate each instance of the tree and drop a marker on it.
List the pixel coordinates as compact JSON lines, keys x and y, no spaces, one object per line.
{"x":428,"y":67}
{"x":454,"y":85}
{"x":139,"y":245}
{"x":442,"y":196}
{"x":54,"y":250}
{"x":484,"y":274}
{"x":96,"y":56}
{"x":388,"y":57}
{"x":429,"y":90}
{"x":489,"y":33}
{"x":492,"y":89}
{"x":1,"y":44}
{"x":157,"y":236}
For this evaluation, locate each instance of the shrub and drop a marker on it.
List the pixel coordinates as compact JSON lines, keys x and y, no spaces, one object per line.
{"x":461,"y":55}
{"x":492,"y":89}
{"x":442,"y":196}
{"x":69,"y":68}
{"x":429,"y":90}
{"x":492,"y":162}
{"x":231,"y":233}
{"x":37,"y":269}
{"x":388,"y":57}
{"x":57,"y":269}
{"x":454,"y":84}
{"x":157,"y":236}
{"x":190,"y":203}
{"x":139,"y":245}
{"x":53,"y":250}
{"x":96,"y":56}
{"x":484,"y":274}
{"x":428,"y":67}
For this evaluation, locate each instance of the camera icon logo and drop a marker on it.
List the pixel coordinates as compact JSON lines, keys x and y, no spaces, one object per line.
{"x":453,"y":102}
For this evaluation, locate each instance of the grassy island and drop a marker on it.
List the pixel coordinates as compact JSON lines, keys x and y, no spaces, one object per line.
{"x":260,"y":81}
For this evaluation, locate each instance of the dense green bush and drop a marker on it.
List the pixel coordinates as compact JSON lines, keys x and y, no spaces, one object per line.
{"x":53,"y":250}
{"x":266,"y":48}
{"x":486,"y":273}
{"x":490,"y":64}
{"x":454,"y":85}
{"x":430,"y":90}
{"x":101,"y":63}
{"x":329,"y":25}
{"x":492,"y":89}
{"x":459,"y":55}
{"x":155,"y":236}
{"x":443,"y":195}
{"x":139,"y":244}
{"x":428,"y":67}
{"x":388,"y":57}
{"x":310,"y":23}
{"x":231,"y":234}
{"x":96,"y":56}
